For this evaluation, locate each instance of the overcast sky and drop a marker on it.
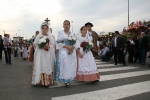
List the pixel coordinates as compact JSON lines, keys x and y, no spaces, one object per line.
{"x":106,"y":15}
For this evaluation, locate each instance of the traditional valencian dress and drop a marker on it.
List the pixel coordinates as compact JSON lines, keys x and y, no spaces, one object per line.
{"x":25,"y":52}
{"x":52,"y":55}
{"x":65,"y":64}
{"x":42,"y":69}
{"x":87,"y":70}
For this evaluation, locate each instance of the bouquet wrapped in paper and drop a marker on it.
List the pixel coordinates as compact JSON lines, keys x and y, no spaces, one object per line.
{"x":87,"y":46}
{"x":72,"y":40}
{"x":43,"y":42}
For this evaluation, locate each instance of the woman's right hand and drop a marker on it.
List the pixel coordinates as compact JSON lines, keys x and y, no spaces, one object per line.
{"x":80,"y":55}
{"x":69,"y":48}
{"x":46,"y":47}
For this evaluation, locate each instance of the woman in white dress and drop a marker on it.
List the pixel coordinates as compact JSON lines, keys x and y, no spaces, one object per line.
{"x":52,"y":54}
{"x":87,"y":70}
{"x":65,"y":64}
{"x":42,"y":69}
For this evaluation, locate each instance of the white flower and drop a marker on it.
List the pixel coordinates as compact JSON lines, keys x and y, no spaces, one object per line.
{"x":74,"y":38}
{"x":42,"y":40}
{"x":90,"y":43}
{"x":69,"y":38}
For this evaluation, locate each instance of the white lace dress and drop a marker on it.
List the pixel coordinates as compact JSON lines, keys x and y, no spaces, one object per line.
{"x":87,"y":69}
{"x":65,"y":64}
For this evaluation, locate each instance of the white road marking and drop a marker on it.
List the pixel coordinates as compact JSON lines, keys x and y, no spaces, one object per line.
{"x":109,"y":77}
{"x":106,"y":65}
{"x":117,"y":69}
{"x":124,"y":75}
{"x":110,"y":93}
{"x":101,"y":62}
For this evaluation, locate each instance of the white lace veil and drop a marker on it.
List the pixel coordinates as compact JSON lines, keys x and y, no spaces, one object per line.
{"x":48,"y":33}
{"x":37,"y":70}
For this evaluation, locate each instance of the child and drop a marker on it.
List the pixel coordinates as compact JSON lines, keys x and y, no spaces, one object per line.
{"x":16,"y":48}
{"x":25,"y":52}
{"x":87,"y":70}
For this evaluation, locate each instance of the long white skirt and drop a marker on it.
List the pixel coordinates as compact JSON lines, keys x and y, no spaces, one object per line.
{"x":42,"y":64}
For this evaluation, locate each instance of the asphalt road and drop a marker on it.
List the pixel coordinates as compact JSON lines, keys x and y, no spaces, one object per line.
{"x":117,"y":82}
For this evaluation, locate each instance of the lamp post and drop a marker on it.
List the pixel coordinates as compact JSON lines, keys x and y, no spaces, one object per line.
{"x":4,"y":31}
{"x":72,"y":25}
{"x":128,"y":12}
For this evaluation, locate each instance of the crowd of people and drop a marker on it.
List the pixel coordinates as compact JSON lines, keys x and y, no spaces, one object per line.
{"x":15,"y":49}
{"x":137,"y":49}
{"x":60,"y":60}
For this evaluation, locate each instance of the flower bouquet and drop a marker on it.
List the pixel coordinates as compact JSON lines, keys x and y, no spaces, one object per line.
{"x":72,"y":40}
{"x":43,"y":42}
{"x":86,"y":46}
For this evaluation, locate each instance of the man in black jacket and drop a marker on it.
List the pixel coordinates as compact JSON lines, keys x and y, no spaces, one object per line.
{"x":7,"y":48}
{"x":143,"y":47}
{"x":118,"y":44}
{"x":1,"y":47}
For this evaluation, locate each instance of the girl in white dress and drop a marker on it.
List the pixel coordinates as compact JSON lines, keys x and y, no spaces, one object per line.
{"x":87,"y":70}
{"x":42,"y":69}
{"x":25,"y":52}
{"x":65,"y":64}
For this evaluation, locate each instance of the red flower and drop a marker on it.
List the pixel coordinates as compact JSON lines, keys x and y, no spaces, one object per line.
{"x":48,"y":41}
{"x":83,"y":45}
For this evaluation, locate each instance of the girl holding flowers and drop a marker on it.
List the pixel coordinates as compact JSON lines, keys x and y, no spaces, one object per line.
{"x":87,"y":70}
{"x":66,"y":55}
{"x":42,"y":69}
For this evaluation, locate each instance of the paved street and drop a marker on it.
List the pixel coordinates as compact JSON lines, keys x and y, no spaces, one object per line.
{"x":131,"y":82}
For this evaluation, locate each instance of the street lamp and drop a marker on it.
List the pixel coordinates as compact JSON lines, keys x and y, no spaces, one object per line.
{"x":128,"y":12}
{"x":72,"y":25}
{"x":3,"y":31}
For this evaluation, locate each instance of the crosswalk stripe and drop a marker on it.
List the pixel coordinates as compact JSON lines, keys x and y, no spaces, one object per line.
{"x":101,"y":63}
{"x":124,"y":75}
{"x":106,"y":65}
{"x":110,"y":93}
{"x":97,"y":59}
{"x":117,"y":69}
{"x":109,"y":77}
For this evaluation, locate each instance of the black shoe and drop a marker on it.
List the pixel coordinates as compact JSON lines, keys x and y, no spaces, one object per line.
{"x":47,"y":86}
{"x":143,"y":63}
{"x":10,"y":63}
{"x":124,"y":65}
{"x":115,"y":64}
{"x":68,"y":85}
{"x":95,"y":81}
{"x":7,"y":62}
{"x":148,"y":56}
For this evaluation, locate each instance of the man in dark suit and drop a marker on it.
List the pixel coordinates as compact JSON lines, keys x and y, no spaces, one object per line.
{"x":1,"y":47}
{"x":7,"y":48}
{"x":118,"y":44}
{"x":143,"y":47}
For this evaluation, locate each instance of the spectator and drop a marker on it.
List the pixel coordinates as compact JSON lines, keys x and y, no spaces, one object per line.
{"x":1,"y":47}
{"x":131,"y":47}
{"x":137,"y":54}
{"x":118,"y":48}
{"x":105,"y":56}
{"x":7,"y":48}
{"x":143,"y":48}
